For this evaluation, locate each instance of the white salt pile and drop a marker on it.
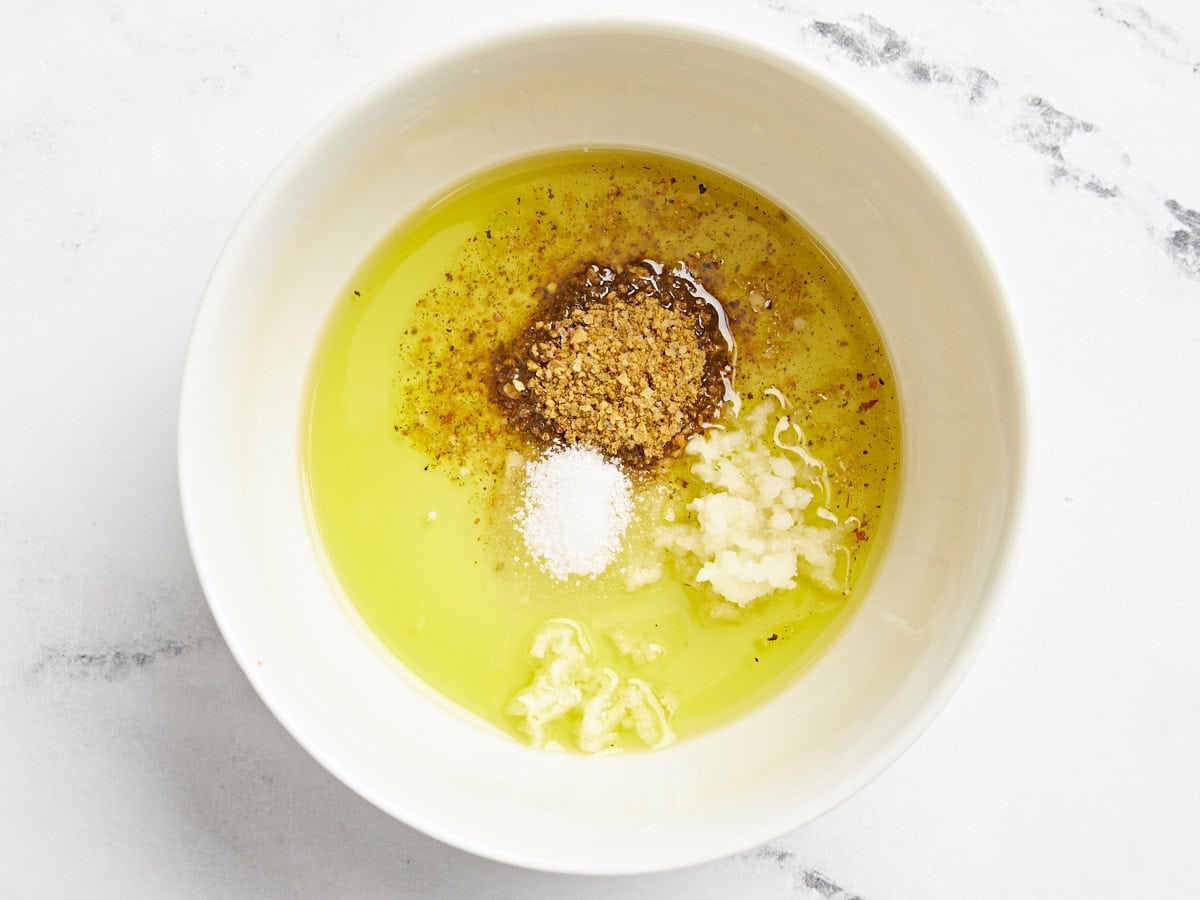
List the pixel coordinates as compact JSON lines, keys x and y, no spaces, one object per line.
{"x":574,"y":511}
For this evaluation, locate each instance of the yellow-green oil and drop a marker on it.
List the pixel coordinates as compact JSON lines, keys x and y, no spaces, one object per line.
{"x":405,"y":452}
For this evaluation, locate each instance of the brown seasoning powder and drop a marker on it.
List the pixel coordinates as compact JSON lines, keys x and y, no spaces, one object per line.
{"x":627,"y":360}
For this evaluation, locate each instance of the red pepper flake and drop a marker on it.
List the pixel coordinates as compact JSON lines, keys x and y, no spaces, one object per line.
{"x":873,"y":384}
{"x":496,"y":317}
{"x":860,"y":535}
{"x":446,"y":418}
{"x":867,"y":404}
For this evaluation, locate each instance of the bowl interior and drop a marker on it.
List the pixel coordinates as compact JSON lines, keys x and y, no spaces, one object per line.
{"x":777,"y":127}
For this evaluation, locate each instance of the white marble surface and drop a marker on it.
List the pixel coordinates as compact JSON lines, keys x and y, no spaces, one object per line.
{"x":134,"y":756}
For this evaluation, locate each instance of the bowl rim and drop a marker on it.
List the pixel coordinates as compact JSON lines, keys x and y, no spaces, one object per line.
{"x":452,"y":55}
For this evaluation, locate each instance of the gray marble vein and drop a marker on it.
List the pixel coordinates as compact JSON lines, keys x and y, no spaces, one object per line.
{"x":110,"y":662}
{"x":813,"y":883}
{"x":1046,"y":131}
{"x":1155,"y":37}
{"x":1184,"y":243}
{"x":1036,"y":122}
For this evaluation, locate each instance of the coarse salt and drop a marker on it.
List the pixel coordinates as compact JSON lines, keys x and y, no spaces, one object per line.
{"x":575,"y":509}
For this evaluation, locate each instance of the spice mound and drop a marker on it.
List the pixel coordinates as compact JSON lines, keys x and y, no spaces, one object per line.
{"x":629,"y":361}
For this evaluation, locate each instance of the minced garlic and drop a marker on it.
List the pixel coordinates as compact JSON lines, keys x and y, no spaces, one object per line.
{"x":572,"y":698}
{"x":756,"y":525}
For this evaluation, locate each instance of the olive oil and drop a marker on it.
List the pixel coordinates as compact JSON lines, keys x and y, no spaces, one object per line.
{"x":408,"y":460}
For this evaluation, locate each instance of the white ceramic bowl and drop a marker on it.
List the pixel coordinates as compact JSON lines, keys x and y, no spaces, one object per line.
{"x":779,"y":127}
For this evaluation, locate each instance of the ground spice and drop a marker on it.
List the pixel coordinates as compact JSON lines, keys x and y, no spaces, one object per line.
{"x":630,"y":361}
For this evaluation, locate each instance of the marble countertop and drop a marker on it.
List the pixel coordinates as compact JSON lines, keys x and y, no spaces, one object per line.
{"x":135,"y":757}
